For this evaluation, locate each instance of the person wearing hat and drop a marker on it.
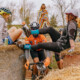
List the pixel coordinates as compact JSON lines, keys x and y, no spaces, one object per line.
{"x":59,"y":42}
{"x":13,"y":33}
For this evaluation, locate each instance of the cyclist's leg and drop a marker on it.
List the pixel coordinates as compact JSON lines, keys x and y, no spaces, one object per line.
{"x":57,"y":56}
{"x":34,"y":55}
{"x":35,"y":71}
{"x":12,"y":29}
{"x":59,"y":60}
{"x":55,"y":35}
{"x":15,"y":34}
{"x":52,"y":46}
{"x":41,"y":55}
{"x":60,"y":64}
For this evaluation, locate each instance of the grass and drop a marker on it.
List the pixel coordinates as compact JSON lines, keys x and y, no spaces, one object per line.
{"x":54,"y":63}
{"x":17,"y":26}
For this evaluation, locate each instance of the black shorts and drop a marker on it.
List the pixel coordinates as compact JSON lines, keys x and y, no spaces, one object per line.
{"x":40,"y":54}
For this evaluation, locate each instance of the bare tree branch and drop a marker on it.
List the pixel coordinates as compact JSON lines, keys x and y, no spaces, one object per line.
{"x":73,"y":3}
{"x":62,"y":7}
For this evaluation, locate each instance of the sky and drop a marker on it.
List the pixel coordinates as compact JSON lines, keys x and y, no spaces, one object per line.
{"x":37,"y":4}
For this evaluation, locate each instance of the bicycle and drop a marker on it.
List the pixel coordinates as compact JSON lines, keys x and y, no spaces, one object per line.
{"x":41,"y":70}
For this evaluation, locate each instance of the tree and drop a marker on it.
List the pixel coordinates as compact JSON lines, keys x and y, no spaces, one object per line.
{"x":62,"y":6}
{"x":12,"y":9}
{"x":27,"y":20}
{"x":26,"y":13}
{"x":53,"y":22}
{"x":73,"y":3}
{"x":10,"y":6}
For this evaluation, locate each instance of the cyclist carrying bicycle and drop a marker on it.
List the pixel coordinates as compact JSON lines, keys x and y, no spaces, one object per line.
{"x":37,"y":55}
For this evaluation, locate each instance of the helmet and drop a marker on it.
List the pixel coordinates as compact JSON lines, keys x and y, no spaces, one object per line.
{"x":4,"y":10}
{"x":74,"y":12}
{"x":34,"y":26}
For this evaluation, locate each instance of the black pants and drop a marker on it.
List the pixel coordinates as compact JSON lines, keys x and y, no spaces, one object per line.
{"x":52,"y":46}
{"x":40,"y":54}
{"x":57,"y":56}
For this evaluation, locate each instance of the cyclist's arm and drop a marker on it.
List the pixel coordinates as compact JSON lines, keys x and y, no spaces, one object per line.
{"x":72,"y":31}
{"x":27,"y":40}
{"x":27,"y":53}
{"x":47,"y":60}
{"x":47,"y":53}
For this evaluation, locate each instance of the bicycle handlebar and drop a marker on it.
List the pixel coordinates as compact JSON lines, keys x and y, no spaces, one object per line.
{"x":36,"y":63}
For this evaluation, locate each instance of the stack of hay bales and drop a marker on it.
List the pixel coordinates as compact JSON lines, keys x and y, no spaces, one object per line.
{"x":71,"y":70}
{"x":72,"y":58}
{"x":11,"y":67}
{"x":76,"y":51}
{"x":69,"y":73}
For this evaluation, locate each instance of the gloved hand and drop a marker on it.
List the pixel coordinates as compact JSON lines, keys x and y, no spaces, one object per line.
{"x":27,"y":65}
{"x":47,"y":61}
{"x":71,"y":50}
{"x":27,"y":46}
{"x":35,"y":31}
{"x":23,"y":23}
{"x":20,"y":45}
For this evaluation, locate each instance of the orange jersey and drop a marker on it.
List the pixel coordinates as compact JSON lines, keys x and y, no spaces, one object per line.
{"x":33,"y":41}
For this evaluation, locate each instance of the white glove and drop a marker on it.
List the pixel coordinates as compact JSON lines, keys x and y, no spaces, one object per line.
{"x":71,"y":50}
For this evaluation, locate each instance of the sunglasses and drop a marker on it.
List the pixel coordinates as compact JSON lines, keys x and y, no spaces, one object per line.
{"x":34,"y":28}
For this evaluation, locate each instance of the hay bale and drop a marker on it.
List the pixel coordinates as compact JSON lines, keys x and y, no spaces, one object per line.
{"x":72,"y":58}
{"x":11,"y":67}
{"x":76,"y":51}
{"x":70,"y":73}
{"x":71,"y":70}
